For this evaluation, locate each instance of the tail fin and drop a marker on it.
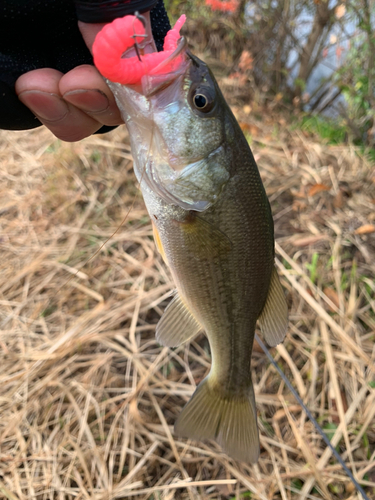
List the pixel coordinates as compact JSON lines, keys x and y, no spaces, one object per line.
{"x":229,"y":420}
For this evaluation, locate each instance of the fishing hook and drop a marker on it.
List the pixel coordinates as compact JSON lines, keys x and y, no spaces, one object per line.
{"x":141,"y":18}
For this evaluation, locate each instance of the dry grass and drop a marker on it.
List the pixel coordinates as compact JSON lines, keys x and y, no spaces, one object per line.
{"x":88,"y":398}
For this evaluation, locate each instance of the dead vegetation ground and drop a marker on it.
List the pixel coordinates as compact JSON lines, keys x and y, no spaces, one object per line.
{"x":88,"y":398}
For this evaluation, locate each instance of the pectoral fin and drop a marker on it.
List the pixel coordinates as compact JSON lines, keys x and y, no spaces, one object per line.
{"x":273,"y":320}
{"x":204,"y":239}
{"x":177,"y":325}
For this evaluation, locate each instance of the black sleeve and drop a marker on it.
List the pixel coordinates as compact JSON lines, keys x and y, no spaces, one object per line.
{"x":105,"y":11}
{"x":99,"y":11}
{"x":44,"y":34}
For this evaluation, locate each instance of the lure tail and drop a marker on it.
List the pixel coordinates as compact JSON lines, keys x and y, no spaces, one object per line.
{"x":120,"y":35}
{"x":228,"y":419}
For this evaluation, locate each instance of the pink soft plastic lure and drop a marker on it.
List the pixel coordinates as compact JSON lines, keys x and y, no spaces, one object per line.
{"x":115,"y":38}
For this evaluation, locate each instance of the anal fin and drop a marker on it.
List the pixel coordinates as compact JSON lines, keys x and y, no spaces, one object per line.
{"x":273,"y":320}
{"x":177,"y":325}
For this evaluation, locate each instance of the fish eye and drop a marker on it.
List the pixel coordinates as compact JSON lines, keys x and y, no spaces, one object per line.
{"x":203,"y":100}
{"x":200,"y":101}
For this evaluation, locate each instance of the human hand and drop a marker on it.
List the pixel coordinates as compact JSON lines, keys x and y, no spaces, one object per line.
{"x":72,"y":105}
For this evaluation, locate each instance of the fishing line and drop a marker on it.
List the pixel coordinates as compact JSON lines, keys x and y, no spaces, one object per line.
{"x":315,"y":423}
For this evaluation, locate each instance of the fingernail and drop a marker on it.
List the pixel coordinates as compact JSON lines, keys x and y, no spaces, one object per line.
{"x":49,"y":107}
{"x":90,"y":101}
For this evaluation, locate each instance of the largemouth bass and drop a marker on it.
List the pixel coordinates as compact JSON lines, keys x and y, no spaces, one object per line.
{"x":213,"y":227}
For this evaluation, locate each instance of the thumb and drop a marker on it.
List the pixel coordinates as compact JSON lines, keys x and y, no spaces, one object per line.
{"x":89,"y":32}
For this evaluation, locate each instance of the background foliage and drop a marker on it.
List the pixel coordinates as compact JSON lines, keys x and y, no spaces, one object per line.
{"x":316,"y":55}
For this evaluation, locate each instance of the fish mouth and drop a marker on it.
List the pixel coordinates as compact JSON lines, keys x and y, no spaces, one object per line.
{"x":157,"y":80}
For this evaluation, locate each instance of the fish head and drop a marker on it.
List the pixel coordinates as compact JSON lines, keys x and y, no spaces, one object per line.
{"x":181,"y":131}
